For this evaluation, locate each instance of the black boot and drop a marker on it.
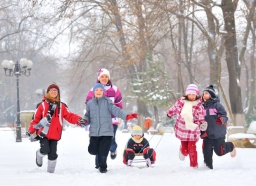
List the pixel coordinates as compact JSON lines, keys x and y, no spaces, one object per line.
{"x":103,"y":170}
{"x":113,"y":155}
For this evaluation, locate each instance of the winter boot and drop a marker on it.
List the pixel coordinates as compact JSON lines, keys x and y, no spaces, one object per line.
{"x":233,"y":153}
{"x":181,"y":156}
{"x":208,"y":166}
{"x":148,"y":162}
{"x":39,"y":158}
{"x":51,"y":166}
{"x":103,"y":170}
{"x":129,"y":162}
{"x":113,"y":155}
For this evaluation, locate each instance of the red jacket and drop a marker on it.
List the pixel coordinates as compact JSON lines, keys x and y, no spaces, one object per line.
{"x":55,"y":128}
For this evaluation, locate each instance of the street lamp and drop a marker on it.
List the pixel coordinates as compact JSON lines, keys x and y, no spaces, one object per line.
{"x":20,"y":67}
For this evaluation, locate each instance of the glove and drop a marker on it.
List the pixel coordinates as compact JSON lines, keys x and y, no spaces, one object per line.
{"x":132,"y":116}
{"x":203,"y":134}
{"x":28,"y":133}
{"x":203,"y":126}
{"x":219,"y":120}
{"x":129,"y":162}
{"x":31,"y":137}
{"x":81,"y":122}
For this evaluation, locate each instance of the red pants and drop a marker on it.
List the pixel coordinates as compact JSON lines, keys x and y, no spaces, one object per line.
{"x":189,"y":148}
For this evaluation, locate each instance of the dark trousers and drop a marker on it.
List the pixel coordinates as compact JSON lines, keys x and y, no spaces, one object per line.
{"x":113,"y":141}
{"x":219,"y":146}
{"x":99,"y":146}
{"x":49,"y":147}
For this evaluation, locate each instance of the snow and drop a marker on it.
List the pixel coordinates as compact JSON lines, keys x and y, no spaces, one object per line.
{"x":75,"y":166}
{"x":252,"y":128}
{"x":235,"y":127}
{"x":242,"y":136}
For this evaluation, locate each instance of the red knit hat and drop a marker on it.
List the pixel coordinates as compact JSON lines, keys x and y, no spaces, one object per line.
{"x":53,"y":86}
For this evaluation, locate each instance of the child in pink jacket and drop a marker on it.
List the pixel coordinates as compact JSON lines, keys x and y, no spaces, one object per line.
{"x":189,"y":122}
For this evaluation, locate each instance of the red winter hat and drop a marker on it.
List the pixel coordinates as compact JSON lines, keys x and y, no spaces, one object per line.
{"x":53,"y":86}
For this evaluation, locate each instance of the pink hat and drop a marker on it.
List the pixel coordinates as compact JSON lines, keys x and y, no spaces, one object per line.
{"x":103,"y":71}
{"x":192,"y":89}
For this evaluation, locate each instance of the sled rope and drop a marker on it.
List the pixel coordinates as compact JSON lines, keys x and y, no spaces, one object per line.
{"x":149,"y":141}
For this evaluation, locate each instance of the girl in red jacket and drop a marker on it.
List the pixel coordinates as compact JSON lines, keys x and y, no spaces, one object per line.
{"x":47,"y":123}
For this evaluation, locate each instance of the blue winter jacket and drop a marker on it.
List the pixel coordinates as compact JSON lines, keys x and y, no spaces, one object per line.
{"x":214,"y":109}
{"x":98,"y":115}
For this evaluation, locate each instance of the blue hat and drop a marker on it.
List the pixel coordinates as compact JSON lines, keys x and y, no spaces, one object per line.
{"x":98,"y":85}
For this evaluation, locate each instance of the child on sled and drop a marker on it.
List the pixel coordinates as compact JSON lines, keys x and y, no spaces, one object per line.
{"x":136,"y":145}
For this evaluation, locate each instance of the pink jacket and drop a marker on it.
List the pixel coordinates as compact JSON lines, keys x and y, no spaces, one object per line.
{"x":181,"y":129}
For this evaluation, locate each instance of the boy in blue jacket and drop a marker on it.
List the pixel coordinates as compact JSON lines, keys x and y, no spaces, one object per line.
{"x":98,"y":115}
{"x":214,"y":137}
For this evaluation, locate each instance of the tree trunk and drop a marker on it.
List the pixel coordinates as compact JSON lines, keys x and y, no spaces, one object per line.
{"x":250,"y":79}
{"x":212,"y":53}
{"x":234,"y":68}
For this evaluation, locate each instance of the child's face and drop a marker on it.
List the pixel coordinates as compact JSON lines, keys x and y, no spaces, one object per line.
{"x":53,"y":92}
{"x":206,"y":96}
{"x":104,"y":79}
{"x":191,"y":97}
{"x":98,"y":93}
{"x":137,"y":137}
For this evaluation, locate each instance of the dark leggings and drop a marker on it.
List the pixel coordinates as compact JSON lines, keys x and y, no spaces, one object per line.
{"x":49,"y":147}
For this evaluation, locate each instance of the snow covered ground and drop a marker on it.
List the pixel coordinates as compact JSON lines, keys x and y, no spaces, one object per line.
{"x":75,"y":165}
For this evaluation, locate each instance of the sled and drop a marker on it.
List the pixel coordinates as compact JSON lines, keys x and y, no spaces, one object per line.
{"x":242,"y":140}
{"x":139,"y":162}
{"x":244,"y":143}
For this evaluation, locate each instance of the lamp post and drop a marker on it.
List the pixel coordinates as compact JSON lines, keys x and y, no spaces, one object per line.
{"x":20,"y":67}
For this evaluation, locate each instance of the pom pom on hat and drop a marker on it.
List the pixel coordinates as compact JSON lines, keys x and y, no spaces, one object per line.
{"x":192,"y":89}
{"x":136,"y":130}
{"x":103,"y":71}
{"x":98,"y":85}
{"x":53,"y":86}
{"x":211,"y":91}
